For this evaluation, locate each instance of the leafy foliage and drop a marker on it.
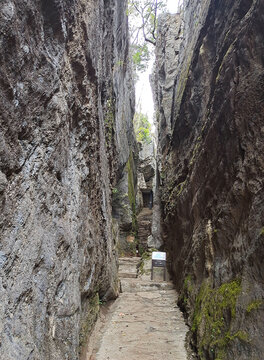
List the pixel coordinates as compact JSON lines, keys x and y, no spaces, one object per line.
{"x":143,"y":15}
{"x":140,"y":57}
{"x":142,"y":128}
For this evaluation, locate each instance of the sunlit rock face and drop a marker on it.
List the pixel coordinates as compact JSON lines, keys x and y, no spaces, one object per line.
{"x":66,"y":107}
{"x":211,"y":147}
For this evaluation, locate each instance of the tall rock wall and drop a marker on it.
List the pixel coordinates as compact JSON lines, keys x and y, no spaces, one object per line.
{"x":209,"y":98}
{"x":66,"y":101}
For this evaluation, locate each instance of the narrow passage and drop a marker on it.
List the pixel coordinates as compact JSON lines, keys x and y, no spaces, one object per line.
{"x":143,"y":323}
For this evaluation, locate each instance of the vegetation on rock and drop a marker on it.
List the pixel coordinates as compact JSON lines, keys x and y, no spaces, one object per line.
{"x":212,"y":315}
{"x":90,"y":318}
{"x":142,"y":128}
{"x":211,"y":320}
{"x":143,"y":15}
{"x":132,"y":192}
{"x":255,"y":305}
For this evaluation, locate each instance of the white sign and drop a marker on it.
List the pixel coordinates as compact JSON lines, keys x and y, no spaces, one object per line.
{"x":159,"y":256}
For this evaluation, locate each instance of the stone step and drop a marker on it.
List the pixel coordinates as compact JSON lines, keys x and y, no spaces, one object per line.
{"x":130,"y":286}
{"x":124,"y":275}
{"x":144,"y":223}
{"x":141,"y":217}
{"x":128,"y":268}
{"x":128,"y":260}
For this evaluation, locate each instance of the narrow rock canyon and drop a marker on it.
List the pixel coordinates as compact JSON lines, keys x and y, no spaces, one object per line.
{"x":78,"y":191}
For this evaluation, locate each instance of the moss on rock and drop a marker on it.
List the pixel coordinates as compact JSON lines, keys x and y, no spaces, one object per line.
{"x":89,"y":318}
{"x":215,"y":308}
{"x":254,"y":305}
{"x":186,"y":293}
{"x":131,"y":191}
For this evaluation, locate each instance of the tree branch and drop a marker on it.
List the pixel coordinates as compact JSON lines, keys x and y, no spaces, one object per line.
{"x":143,"y":29}
{"x":155,"y":20}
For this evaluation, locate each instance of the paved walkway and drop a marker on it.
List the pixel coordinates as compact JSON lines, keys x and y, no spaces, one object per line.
{"x":144,"y":323}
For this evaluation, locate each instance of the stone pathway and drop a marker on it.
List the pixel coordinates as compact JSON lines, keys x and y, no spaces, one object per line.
{"x":144,"y":323}
{"x":144,"y":220}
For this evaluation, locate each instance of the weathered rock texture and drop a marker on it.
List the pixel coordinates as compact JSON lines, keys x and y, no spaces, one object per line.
{"x":148,"y":219}
{"x":133,"y":196}
{"x":146,"y":165}
{"x":124,"y":204}
{"x":66,"y":104}
{"x":210,"y":101}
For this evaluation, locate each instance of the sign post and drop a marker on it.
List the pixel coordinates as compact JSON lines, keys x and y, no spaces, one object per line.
{"x":159,"y":260}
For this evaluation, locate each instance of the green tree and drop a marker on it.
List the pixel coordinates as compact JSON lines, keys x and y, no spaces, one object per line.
{"x":143,"y":15}
{"x":142,"y":128}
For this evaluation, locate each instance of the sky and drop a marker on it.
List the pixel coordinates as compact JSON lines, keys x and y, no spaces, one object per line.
{"x":172,"y":6}
{"x":143,"y":90}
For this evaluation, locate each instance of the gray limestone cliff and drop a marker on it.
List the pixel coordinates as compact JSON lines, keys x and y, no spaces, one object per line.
{"x":209,"y":92}
{"x":67,"y":103}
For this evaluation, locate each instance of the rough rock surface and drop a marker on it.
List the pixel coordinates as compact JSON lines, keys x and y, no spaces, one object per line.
{"x":65,"y":130}
{"x":146,"y":164}
{"x":148,"y":179}
{"x":163,"y":87}
{"x":163,"y":79}
{"x":124,"y":200}
{"x":212,"y":171}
